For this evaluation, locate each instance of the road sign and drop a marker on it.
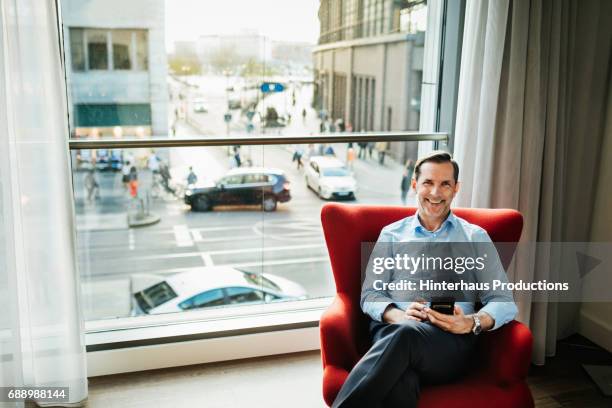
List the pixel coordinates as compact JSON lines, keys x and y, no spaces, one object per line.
{"x":267,"y":87}
{"x":250,"y":127}
{"x":227,"y":117}
{"x":250,"y":114}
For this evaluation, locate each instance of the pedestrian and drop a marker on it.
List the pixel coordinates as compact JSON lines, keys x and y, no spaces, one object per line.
{"x":304,"y":115}
{"x":237,"y":156}
{"x":350,"y":157}
{"x":322,"y":126}
{"x":329,"y":151}
{"x":191,"y":177}
{"x":331,"y":126}
{"x":153,"y":163}
{"x":164,"y":172}
{"x":370,"y":148}
{"x":133,"y":182}
{"x":297,"y":156}
{"x":340,"y":125}
{"x":92,"y":186}
{"x":381,"y":148}
{"x":406,"y":180}
{"x":362,"y":149}
{"x":125,"y":175}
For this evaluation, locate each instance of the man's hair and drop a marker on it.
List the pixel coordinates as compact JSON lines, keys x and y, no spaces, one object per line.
{"x":437,"y":156}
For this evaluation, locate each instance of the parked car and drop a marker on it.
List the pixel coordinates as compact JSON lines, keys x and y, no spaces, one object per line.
{"x":329,"y":178}
{"x":199,"y":106}
{"x":248,"y":185}
{"x":208,"y":287}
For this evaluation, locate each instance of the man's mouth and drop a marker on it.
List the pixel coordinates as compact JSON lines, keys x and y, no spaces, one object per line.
{"x":434,"y":203}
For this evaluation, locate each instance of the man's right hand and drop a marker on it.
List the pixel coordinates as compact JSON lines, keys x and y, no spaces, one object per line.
{"x":393,"y":315}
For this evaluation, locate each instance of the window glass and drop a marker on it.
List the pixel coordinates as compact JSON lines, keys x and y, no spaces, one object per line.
{"x":233,"y":180}
{"x":97,"y":50}
{"x":209,"y":298}
{"x":77,"y":49}
{"x":122,"y":49}
{"x":244,"y":295}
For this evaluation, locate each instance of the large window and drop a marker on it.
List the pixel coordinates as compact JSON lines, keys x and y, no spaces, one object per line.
{"x":180,"y":231}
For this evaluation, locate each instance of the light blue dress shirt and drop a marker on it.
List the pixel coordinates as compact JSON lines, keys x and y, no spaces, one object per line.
{"x":500,"y":306}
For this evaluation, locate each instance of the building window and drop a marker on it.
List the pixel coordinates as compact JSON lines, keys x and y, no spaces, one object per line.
{"x":122,"y":49}
{"x":77,"y":49}
{"x":97,"y":49}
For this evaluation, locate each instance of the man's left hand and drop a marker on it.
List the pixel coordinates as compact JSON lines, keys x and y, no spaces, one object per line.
{"x":457,"y":323}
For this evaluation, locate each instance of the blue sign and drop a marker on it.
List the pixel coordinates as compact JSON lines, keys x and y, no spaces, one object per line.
{"x":272,"y":87}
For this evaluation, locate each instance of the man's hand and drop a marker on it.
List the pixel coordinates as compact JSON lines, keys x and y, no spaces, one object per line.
{"x":457,"y":323}
{"x":415,"y":311}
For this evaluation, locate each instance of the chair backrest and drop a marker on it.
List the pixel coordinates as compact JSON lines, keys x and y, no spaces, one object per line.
{"x":346,"y":227}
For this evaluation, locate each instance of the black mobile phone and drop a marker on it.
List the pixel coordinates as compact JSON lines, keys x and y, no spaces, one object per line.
{"x":443,"y":304}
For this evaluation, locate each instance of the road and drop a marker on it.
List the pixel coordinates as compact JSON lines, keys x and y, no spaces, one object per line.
{"x":288,"y":242}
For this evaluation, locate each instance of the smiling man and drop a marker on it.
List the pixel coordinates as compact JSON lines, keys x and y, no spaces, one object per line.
{"x":411,"y":343}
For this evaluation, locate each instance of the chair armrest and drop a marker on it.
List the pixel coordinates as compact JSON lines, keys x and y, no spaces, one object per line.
{"x":506,"y":353}
{"x":341,"y":329}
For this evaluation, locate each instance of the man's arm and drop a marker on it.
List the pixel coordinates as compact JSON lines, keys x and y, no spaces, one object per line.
{"x":376,"y":302}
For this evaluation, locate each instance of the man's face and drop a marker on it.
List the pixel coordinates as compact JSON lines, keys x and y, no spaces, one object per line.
{"x":435,"y":190}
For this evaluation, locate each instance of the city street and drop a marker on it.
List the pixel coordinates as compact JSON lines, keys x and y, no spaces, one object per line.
{"x":287,"y":242}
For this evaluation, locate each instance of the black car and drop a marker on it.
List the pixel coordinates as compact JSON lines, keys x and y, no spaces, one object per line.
{"x":249,"y":185}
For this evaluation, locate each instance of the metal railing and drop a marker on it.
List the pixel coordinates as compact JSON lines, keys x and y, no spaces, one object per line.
{"x":205,"y":141}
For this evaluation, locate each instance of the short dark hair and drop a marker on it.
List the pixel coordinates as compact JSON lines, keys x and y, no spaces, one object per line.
{"x":437,"y":156}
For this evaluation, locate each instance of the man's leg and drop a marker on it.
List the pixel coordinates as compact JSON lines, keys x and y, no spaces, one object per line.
{"x":403,"y":350}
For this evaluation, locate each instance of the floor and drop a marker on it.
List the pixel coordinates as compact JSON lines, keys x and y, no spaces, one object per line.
{"x":294,"y":380}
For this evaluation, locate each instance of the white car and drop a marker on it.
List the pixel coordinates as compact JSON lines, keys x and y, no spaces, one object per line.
{"x":330,"y":178}
{"x":199,"y":106}
{"x":208,"y":287}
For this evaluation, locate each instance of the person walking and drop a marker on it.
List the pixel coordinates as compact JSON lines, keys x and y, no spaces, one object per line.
{"x":192,"y":178}
{"x":125,"y":175}
{"x":350,"y":158}
{"x":297,"y":156}
{"x":304,"y":115}
{"x":381,"y":148}
{"x":92,"y":186}
{"x":407,"y":180}
{"x":133,"y":183}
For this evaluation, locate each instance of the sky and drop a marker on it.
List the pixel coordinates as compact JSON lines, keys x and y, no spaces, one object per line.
{"x":288,"y":20}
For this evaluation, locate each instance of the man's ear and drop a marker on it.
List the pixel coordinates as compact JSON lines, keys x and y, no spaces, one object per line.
{"x":457,"y":185}
{"x":413,"y":183}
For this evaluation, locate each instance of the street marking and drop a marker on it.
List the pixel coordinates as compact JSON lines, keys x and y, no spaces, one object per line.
{"x":131,"y":240}
{"x":197,"y":236}
{"x":182,"y":236}
{"x":207,"y":259}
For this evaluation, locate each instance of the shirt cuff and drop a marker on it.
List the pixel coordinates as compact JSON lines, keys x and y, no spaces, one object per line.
{"x":501,"y":312}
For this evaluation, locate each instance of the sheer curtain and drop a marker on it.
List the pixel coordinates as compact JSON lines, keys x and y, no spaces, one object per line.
{"x":531,"y":138}
{"x":41,"y":341}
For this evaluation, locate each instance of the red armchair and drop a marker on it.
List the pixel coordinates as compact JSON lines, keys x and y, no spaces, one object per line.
{"x":497,"y":378}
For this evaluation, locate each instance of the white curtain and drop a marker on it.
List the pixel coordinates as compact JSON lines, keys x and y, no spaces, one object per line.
{"x":41,"y":327}
{"x":531,"y":109}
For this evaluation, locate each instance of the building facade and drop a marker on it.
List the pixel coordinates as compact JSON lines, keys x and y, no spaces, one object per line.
{"x":369,"y":65}
{"x":116,"y":67}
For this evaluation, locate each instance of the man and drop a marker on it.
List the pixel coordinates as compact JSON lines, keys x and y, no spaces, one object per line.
{"x":413,"y":344}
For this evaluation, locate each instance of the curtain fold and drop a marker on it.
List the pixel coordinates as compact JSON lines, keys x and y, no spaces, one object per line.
{"x":42,"y":342}
{"x":542,"y":144}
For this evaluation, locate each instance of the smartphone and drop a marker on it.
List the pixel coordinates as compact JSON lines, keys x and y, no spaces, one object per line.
{"x":445,"y":305}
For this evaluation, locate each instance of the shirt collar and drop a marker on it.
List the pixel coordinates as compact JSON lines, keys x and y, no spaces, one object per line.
{"x":450,"y":221}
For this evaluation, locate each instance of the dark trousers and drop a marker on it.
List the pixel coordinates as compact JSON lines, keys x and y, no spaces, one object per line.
{"x":402,"y":357}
